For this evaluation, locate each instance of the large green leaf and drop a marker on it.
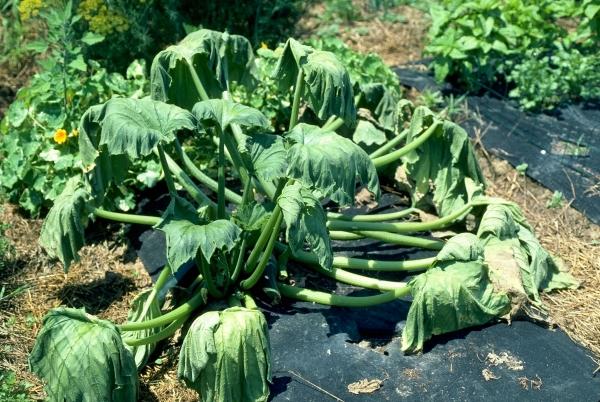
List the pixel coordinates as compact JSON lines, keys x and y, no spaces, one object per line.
{"x":440,"y":167}
{"x":456,"y":293}
{"x":224,"y":112}
{"x":135,"y":126}
{"x":328,"y":89}
{"x":142,"y":310}
{"x":265,"y":156}
{"x":187,"y":234}
{"x":226,"y":356}
{"x":215,"y":57}
{"x":62,"y":234}
{"x":82,"y":358}
{"x":305,"y":222}
{"x":329,"y":163}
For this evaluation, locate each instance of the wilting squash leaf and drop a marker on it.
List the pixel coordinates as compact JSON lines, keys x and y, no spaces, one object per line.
{"x":226,"y":356}
{"x":305,"y":222}
{"x":62,"y":234}
{"x":217,"y":58}
{"x":224,"y":112}
{"x":456,"y":293}
{"x":82,"y":358}
{"x":187,"y":234}
{"x":512,"y":251}
{"x":328,"y":89}
{"x":440,"y":166}
{"x":101,"y":167}
{"x":380,"y":101}
{"x":329,"y":163}
{"x":135,"y":126}
{"x":265,"y":156}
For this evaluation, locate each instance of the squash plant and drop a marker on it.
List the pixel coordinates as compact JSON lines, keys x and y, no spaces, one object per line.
{"x":230,"y":240}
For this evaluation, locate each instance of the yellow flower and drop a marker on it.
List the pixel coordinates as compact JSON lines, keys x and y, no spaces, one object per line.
{"x":60,"y":136}
{"x":29,"y":9}
{"x":263,"y":45}
{"x":74,"y":132}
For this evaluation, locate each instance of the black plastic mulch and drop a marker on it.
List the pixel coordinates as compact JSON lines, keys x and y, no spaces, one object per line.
{"x":562,"y":150}
{"x":318,"y":351}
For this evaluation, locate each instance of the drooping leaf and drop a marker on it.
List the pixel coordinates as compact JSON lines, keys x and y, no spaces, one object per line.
{"x":62,"y":234}
{"x":440,"y":167}
{"x":215,"y":57}
{"x":82,"y":358}
{"x":305,"y":222}
{"x":288,"y":66}
{"x":265,"y":156}
{"x":544,"y":272}
{"x":135,"y":126}
{"x":226,"y":356}
{"x":330,"y":163}
{"x":512,"y":250}
{"x":456,"y":293}
{"x":101,"y":167}
{"x":380,"y":101}
{"x":328,"y":89}
{"x":224,"y":112}
{"x":141,"y":310}
{"x":187,"y":234}
{"x":366,"y":133}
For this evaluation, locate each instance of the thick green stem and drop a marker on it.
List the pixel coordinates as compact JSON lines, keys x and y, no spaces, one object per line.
{"x":236,"y":157}
{"x":221,"y":177}
{"x":411,"y":146}
{"x":247,"y":195}
{"x":126,"y":218}
{"x":180,"y":312}
{"x":400,"y":227}
{"x":197,"y":83}
{"x":390,"y":238}
{"x":371,"y":217}
{"x":403,"y":240}
{"x":249,"y":302}
{"x":334,"y":125}
{"x":367,"y":265}
{"x":211,"y":286}
{"x":298,"y":89}
{"x":166,"y":171}
{"x":168,"y":331}
{"x":240,"y":261}
{"x":358,"y":280}
{"x":264,"y":259}
{"x":205,"y":179}
{"x":188,"y":184}
{"x":263,"y":238}
{"x":388,"y":146}
{"x":329,"y":299}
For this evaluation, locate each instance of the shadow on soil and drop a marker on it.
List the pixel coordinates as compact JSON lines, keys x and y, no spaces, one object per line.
{"x":98,"y":295}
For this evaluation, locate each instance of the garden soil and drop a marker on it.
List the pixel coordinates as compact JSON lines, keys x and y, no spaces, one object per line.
{"x":326,"y":353}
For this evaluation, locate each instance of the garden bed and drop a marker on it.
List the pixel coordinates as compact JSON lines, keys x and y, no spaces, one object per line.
{"x":486,"y":358}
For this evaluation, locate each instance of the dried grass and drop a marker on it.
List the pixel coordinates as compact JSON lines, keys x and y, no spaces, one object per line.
{"x":566,"y":233}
